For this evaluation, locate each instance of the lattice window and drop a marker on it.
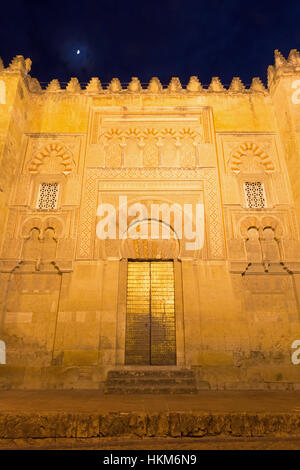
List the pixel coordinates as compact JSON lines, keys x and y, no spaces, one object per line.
{"x":255,"y":195}
{"x":48,"y":196}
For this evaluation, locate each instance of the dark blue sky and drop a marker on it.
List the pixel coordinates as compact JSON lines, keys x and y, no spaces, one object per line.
{"x":149,"y":37}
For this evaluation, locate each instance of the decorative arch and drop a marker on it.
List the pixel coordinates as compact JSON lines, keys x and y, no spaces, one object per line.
{"x":29,"y":224}
{"x":42,"y":224}
{"x":260,"y":223}
{"x":148,"y":201}
{"x":273,"y":223}
{"x":53,"y":158}
{"x":56,"y":224}
{"x":151,"y":248}
{"x":248,"y":222}
{"x":250,"y":158}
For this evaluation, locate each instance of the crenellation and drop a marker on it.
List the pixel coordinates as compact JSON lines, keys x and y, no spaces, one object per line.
{"x":115,"y":86}
{"x":257,"y":85}
{"x":73,"y":86}
{"x":282,"y":65}
{"x":175,"y":86}
{"x":134,"y":86}
{"x":294,"y":57}
{"x":236,"y":86}
{"x":216,"y":85}
{"x":279,"y":59}
{"x":94,"y":86}
{"x":154,"y":86}
{"x":18,"y":63}
{"x":54,"y":85}
{"x":194,"y":85}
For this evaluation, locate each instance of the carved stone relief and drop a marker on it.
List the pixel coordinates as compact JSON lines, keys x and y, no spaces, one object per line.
{"x":168,"y":139}
{"x":52,"y":153}
{"x":93,"y":176}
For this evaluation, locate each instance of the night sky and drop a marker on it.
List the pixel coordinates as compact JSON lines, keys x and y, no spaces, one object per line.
{"x":148,"y":38}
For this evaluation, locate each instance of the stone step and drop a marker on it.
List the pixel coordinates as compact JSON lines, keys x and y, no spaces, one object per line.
{"x":149,"y":381}
{"x":149,"y":390}
{"x":150,"y":373}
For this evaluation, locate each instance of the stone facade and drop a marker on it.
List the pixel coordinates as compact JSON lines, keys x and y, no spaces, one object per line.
{"x":63,"y":290}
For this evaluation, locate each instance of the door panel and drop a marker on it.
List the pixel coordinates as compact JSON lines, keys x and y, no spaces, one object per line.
{"x":163,"y":347}
{"x":137,"y":349}
{"x":150,"y":323}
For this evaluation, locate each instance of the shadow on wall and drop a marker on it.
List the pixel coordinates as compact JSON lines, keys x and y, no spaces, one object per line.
{"x":2,"y":352}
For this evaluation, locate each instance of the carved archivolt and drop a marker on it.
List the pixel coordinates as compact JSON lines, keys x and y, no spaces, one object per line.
{"x":250,"y":158}
{"x":261,"y":223}
{"x":42,"y":224}
{"x":272,"y":222}
{"x":151,"y":248}
{"x":53,"y":158}
{"x":29,"y":224}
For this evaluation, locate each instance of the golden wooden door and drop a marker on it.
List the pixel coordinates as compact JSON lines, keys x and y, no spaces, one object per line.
{"x":150,"y":322}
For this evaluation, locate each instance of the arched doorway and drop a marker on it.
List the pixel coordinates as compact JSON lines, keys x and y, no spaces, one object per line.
{"x":150,"y":337}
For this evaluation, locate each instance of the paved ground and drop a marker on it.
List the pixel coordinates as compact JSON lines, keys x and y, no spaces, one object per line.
{"x":88,"y":401}
{"x":152,"y":444}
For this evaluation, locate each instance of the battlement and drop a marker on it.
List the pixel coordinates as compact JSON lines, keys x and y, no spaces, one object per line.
{"x":95,"y":86}
{"x":282,"y":66}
